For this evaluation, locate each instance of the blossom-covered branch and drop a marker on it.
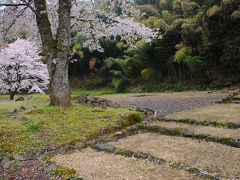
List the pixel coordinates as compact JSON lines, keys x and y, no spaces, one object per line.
{"x":19,"y":69}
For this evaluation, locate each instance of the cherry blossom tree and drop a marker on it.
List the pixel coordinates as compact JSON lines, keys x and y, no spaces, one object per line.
{"x":19,"y":70}
{"x":109,"y":19}
{"x":55,"y":20}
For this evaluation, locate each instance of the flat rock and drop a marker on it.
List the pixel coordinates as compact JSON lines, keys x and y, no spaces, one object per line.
{"x":193,"y":153}
{"x":30,"y":97}
{"x":5,"y":163}
{"x":20,"y":99}
{"x":22,"y":108}
{"x":80,"y":145}
{"x":91,"y":164}
{"x":18,"y":158}
{"x":99,"y":146}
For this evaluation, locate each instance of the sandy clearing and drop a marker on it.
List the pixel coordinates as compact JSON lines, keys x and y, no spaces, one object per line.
{"x":93,"y":165}
{"x":211,"y":131}
{"x":223,"y":159}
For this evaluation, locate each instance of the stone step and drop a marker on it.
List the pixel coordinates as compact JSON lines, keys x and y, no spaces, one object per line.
{"x":221,"y":159}
{"x":218,"y":115}
{"x":226,"y":136}
{"x":91,"y":164}
{"x":237,"y":96}
{"x":235,"y":101}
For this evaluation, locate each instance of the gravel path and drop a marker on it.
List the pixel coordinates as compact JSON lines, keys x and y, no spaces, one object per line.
{"x":167,"y":103}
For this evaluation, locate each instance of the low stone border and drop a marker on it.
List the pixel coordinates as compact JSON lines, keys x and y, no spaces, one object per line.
{"x":185,"y":133}
{"x":229,"y":125}
{"x":229,"y":98}
{"x":140,"y":155}
{"x":95,"y":101}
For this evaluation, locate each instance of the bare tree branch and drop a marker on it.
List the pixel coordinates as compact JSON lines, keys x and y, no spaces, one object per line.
{"x":28,"y":4}
{"x":14,"y":21}
{"x":23,"y":4}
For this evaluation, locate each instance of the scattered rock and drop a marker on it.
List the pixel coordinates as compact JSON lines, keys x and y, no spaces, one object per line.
{"x":110,"y":148}
{"x":61,"y":150}
{"x":210,"y":171}
{"x":28,"y":157}
{"x":140,"y":155}
{"x":236,"y":143}
{"x":112,"y":126}
{"x":30,"y":97}
{"x":80,"y":145}
{"x":82,"y":97}
{"x":99,"y":146}
{"x":235,"y":102}
{"x":5,"y":163}
{"x":140,"y":109}
{"x":102,"y":147}
{"x":23,"y":119}
{"x":142,"y":95}
{"x":85,"y":98}
{"x":13,"y":112}
{"x":119,"y":122}
{"x":220,"y":101}
{"x":149,"y":120}
{"x":14,"y":117}
{"x":91,"y":142}
{"x":18,"y":157}
{"x":40,"y":152}
{"x":144,"y":122}
{"x":131,"y":128}
{"x":118,"y":133}
{"x":149,"y":112}
{"x":22,"y":108}
{"x":20,"y":99}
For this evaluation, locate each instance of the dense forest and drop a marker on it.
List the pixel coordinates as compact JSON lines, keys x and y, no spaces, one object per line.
{"x":199,"y":48}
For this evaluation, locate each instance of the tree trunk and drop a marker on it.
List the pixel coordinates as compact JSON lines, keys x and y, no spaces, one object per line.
{"x":56,"y":50}
{"x":59,"y":89}
{"x":12,"y":95}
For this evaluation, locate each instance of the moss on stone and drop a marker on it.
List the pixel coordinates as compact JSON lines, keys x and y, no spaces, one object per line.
{"x":131,"y":118}
{"x":66,"y":173}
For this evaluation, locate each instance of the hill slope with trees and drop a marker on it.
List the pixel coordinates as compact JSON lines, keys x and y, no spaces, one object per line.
{"x":199,"y":48}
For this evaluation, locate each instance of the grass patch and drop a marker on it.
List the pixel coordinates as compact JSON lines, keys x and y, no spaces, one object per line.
{"x":47,"y":126}
{"x":3,"y":178}
{"x":33,"y":127}
{"x":94,"y":92}
{"x":220,"y":123}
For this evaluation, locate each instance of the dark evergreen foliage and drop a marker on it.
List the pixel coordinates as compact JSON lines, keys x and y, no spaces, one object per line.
{"x":200,"y":48}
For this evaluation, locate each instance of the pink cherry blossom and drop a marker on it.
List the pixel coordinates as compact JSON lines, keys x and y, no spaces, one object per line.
{"x":20,"y":70}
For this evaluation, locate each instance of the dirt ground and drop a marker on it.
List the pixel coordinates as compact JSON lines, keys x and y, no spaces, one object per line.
{"x":93,"y":165}
{"x":197,"y":130}
{"x":216,"y":113}
{"x":198,"y":154}
{"x":167,"y":103}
